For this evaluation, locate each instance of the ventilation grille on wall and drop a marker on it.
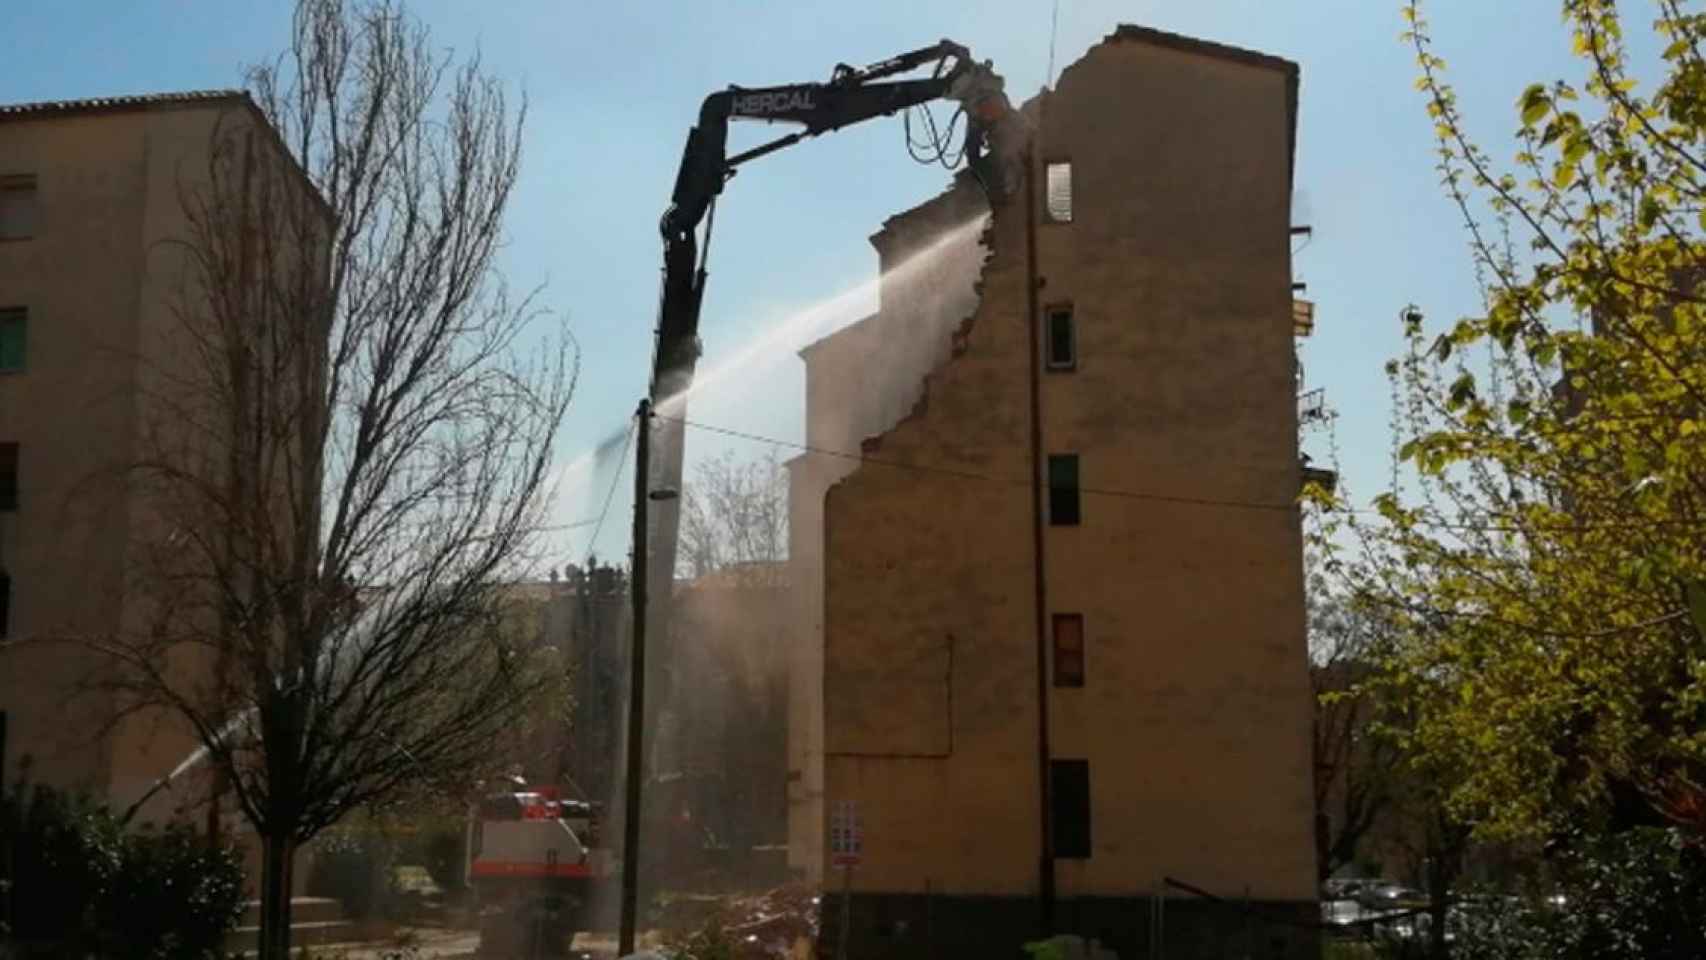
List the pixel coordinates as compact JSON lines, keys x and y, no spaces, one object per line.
{"x":1060,"y":192}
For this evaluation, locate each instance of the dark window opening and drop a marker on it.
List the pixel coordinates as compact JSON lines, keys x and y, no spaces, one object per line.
{"x":1069,"y":795}
{"x":1062,"y":339}
{"x":5,"y":603}
{"x":1059,"y":186}
{"x":8,"y":477}
{"x":1063,"y":490}
{"x":14,"y":324}
{"x":17,"y":207}
{"x":1069,"y":650}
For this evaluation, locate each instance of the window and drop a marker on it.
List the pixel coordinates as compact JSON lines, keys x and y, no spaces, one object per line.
{"x":1059,"y":183}
{"x":5,"y":602}
{"x":1063,"y":490}
{"x":1062,"y":338}
{"x":13,"y":324}
{"x":1069,"y":794}
{"x":1069,"y":650}
{"x":17,"y":207}
{"x":8,"y":477}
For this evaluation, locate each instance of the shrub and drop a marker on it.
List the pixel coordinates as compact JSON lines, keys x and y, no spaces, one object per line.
{"x":357,"y":863}
{"x":85,"y":882}
{"x":352,"y":866}
{"x":1637,"y":894}
{"x":168,"y":895}
{"x":441,"y":850}
{"x":54,"y":876}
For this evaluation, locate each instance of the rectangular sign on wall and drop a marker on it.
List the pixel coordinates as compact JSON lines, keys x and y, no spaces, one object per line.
{"x":846,"y":834}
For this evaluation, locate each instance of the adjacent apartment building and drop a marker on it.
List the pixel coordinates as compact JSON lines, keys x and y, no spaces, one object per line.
{"x":92,"y":322}
{"x":1055,"y":671}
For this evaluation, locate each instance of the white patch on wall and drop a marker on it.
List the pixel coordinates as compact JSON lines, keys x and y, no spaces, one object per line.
{"x":1059,"y":181}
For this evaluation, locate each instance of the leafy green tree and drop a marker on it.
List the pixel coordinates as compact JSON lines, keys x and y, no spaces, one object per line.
{"x":1542,"y":547}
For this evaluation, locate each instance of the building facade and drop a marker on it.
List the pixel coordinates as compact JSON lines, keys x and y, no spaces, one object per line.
{"x":95,"y":281}
{"x":1063,"y":676}
{"x":860,"y":381}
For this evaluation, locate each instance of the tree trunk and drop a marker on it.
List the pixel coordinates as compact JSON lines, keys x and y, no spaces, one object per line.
{"x":277,"y":855}
{"x":215,"y":824}
{"x":1323,"y":848}
{"x":1438,"y":949}
{"x":1444,"y":867}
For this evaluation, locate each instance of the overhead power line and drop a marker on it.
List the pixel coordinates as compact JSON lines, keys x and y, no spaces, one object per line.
{"x":974,"y":475}
{"x":560,"y":527}
{"x":1507,"y":527}
{"x":609,"y":495}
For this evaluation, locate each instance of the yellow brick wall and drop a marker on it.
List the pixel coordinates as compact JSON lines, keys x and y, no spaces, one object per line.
{"x":1195,"y":715}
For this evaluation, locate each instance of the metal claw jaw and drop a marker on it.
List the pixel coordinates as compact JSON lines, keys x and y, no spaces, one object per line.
{"x":996,"y":134}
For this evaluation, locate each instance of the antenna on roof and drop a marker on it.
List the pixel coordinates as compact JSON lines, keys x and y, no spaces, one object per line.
{"x":1053,"y":31}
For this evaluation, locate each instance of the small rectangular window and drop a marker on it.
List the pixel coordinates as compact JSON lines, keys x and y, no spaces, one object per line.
{"x":1062,"y":338}
{"x":14,"y":323}
{"x":1069,"y":650}
{"x":8,"y":477}
{"x":1059,"y":200}
{"x":17,"y":207}
{"x":1069,"y":795}
{"x":1063,"y":490}
{"x":5,"y":623}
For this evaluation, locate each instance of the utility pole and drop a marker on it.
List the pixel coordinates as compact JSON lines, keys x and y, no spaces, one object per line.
{"x":636,"y":686}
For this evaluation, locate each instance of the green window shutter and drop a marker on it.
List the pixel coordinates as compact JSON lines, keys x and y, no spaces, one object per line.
{"x":14,"y":330}
{"x":1063,"y":508}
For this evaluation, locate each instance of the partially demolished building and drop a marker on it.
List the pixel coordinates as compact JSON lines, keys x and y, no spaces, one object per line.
{"x":1054,"y":663}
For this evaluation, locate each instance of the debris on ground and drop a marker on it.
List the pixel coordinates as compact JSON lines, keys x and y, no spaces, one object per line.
{"x":781,"y":924}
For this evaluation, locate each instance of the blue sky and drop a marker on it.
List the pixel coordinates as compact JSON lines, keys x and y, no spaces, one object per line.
{"x":613,"y":88}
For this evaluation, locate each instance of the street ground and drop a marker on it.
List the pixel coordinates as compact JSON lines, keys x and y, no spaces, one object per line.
{"x":750,"y":925}
{"x":436,"y":943}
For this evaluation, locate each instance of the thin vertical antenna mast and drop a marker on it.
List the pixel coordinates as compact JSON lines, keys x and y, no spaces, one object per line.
{"x":1053,"y":32}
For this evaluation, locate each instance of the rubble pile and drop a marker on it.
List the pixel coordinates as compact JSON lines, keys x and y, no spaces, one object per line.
{"x":781,"y":924}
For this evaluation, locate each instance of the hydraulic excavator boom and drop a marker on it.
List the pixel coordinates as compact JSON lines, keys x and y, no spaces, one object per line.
{"x":993,"y":141}
{"x":851,"y":95}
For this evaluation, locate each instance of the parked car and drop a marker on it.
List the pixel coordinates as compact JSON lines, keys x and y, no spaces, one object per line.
{"x":1342,"y":913}
{"x":1345,"y":888}
{"x":1391,"y":896}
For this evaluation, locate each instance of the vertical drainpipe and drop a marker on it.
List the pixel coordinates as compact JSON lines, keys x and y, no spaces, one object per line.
{"x":1045,"y":859}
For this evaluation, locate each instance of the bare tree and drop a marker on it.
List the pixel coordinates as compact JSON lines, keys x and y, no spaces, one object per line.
{"x":346,"y":451}
{"x":734,"y":516}
{"x":1436,"y":846}
{"x":1355,"y":766}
